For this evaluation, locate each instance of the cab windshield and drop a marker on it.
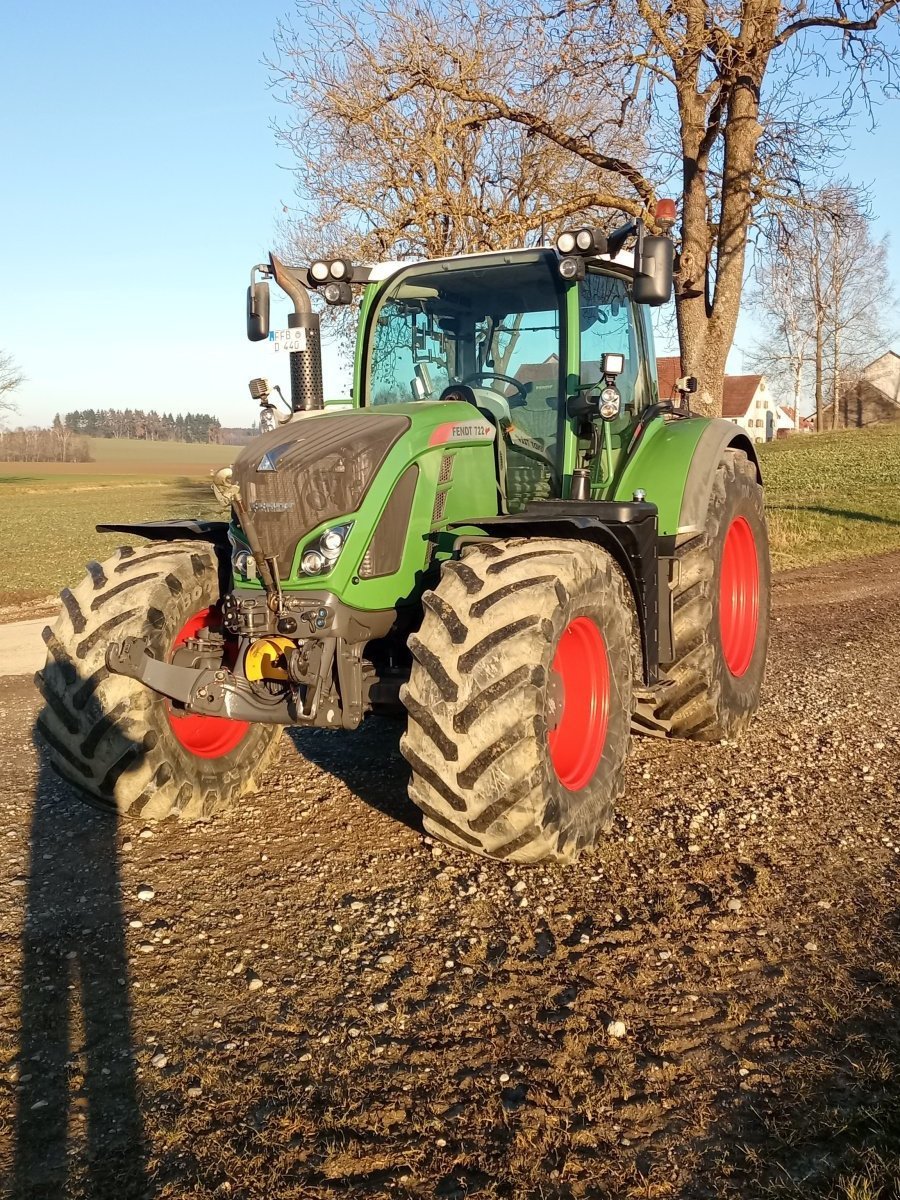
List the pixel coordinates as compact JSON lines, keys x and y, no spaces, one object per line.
{"x":493,"y":326}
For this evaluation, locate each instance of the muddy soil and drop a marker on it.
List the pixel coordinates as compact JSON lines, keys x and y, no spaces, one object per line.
{"x":308,"y":999}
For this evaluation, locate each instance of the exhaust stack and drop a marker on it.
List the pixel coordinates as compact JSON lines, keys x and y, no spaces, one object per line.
{"x":307,"y":393}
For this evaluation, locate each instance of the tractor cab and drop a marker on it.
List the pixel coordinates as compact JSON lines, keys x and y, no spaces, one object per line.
{"x":508,"y":334}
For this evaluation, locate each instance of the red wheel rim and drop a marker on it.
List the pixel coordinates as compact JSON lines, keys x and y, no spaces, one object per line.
{"x":582,"y":669}
{"x":739,"y":596}
{"x":205,"y":737}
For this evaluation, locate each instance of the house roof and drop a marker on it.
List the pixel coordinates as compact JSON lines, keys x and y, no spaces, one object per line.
{"x":788,"y":411}
{"x":737,"y":394}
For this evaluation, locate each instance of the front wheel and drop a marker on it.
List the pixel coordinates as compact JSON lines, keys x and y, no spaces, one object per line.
{"x":519,"y":700}
{"x":120,"y":744}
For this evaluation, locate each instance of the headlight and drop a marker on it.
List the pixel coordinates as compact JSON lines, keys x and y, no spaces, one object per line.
{"x":332,"y":540}
{"x":312,"y":563}
{"x":323,"y":553}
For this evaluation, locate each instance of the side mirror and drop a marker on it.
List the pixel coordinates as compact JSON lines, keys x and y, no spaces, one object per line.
{"x":653,"y":280}
{"x":258,"y":311}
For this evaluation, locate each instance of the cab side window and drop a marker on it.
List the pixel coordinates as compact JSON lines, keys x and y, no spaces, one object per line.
{"x":607,"y":327}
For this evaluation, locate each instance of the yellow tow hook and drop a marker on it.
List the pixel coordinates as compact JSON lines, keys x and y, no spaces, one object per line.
{"x":267,"y":658}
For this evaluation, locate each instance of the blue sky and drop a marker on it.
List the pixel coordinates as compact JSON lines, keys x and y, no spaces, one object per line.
{"x":141,"y":181}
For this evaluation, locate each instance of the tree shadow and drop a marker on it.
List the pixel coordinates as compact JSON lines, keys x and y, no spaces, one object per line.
{"x":196,"y":493}
{"x":368,"y":761}
{"x":826,"y":511}
{"x":78,"y":1124}
{"x":818,"y":1115}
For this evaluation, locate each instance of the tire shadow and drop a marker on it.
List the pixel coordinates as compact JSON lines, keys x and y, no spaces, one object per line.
{"x":368,"y":761}
{"x":78,"y":1123}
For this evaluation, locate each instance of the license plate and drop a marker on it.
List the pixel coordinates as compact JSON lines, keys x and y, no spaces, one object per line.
{"x":287,"y":340}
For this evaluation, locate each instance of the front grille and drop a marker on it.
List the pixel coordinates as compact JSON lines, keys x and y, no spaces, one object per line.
{"x":385,"y":551}
{"x":440,"y":503}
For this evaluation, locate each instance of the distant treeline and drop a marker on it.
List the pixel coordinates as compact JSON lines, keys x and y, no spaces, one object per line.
{"x":238,"y":435}
{"x":58,"y":444}
{"x":145,"y":426}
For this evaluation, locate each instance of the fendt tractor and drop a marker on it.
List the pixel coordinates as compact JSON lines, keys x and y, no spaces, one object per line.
{"x":506,"y":534}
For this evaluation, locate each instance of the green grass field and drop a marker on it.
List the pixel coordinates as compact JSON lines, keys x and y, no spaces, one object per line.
{"x":833,"y":495}
{"x":128,"y":450}
{"x":829,"y":496}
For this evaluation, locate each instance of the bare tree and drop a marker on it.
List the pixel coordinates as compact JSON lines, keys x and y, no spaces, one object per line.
{"x":10,"y":378}
{"x":779,"y":299}
{"x":408,"y":171}
{"x":736,"y":100}
{"x":824,"y":296}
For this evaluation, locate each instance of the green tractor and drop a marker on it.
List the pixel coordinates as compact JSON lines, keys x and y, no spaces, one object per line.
{"x":507,"y":534}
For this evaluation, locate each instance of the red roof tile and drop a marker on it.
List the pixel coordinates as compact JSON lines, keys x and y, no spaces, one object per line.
{"x":738,"y":394}
{"x":668,"y":371}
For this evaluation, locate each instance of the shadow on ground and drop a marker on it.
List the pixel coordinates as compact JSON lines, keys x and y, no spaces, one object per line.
{"x":368,"y":761}
{"x":817,"y":1113}
{"x":78,"y":1126}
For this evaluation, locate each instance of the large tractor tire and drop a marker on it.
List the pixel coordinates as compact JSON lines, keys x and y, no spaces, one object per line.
{"x":121,"y":745}
{"x":721,"y":612}
{"x":519,"y":700}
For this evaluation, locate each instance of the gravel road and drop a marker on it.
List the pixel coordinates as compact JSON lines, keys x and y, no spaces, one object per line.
{"x":307,"y":999}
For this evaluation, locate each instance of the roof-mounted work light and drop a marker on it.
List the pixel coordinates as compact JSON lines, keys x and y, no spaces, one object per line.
{"x":328,"y":270}
{"x":586,"y":240}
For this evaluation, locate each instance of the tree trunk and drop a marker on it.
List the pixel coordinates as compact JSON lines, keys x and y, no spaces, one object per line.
{"x":798,"y":383}
{"x":706,"y":324}
{"x":836,"y":397}
{"x":820,"y":339}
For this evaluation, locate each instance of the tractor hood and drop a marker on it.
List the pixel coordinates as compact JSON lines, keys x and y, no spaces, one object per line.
{"x":318,"y":468}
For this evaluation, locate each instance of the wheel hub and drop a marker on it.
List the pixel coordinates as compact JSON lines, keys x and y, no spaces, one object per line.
{"x":578,"y":701}
{"x":204,"y":737}
{"x":739,"y":597}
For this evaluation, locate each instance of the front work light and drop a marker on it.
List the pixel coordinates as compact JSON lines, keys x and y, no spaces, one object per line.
{"x":588,"y":241}
{"x":572,"y":267}
{"x":337,"y":293}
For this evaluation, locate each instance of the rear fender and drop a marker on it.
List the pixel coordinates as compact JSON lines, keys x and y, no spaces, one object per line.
{"x":674,"y":465}
{"x":718,"y":437}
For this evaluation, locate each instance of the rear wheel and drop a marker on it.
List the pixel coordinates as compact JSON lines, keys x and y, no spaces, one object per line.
{"x":721,"y":612}
{"x":519,"y":700}
{"x":120,"y":744}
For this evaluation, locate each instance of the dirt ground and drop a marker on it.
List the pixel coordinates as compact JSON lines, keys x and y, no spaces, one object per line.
{"x":311,"y":1000}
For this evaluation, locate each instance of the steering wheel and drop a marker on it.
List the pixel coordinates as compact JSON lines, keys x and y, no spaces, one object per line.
{"x":477,"y":376}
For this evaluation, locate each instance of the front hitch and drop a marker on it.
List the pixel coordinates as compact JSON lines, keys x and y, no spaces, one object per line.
{"x":210,"y":691}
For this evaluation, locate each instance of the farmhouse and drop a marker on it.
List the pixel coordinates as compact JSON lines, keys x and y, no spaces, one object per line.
{"x":746,"y":399}
{"x":874,"y":398}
